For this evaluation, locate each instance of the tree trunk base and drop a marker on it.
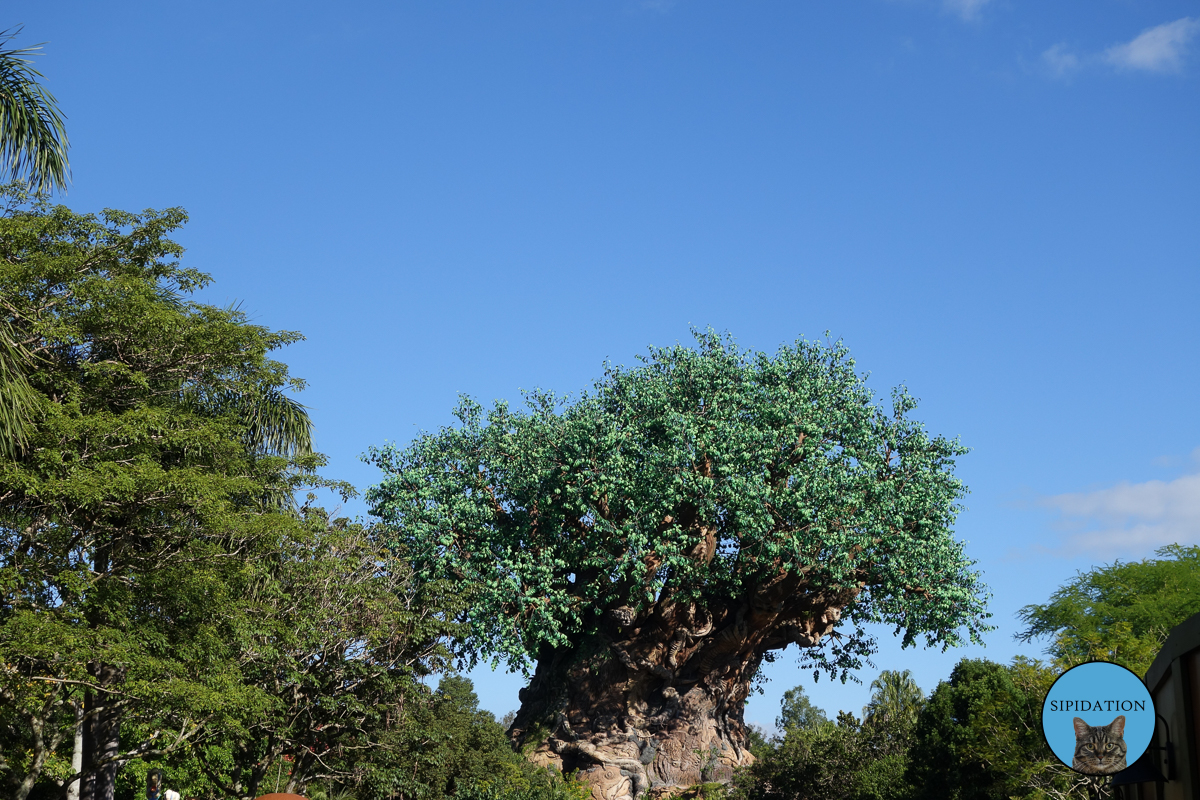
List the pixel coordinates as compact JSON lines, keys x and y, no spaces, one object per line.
{"x":654,"y":703}
{"x":695,"y":745}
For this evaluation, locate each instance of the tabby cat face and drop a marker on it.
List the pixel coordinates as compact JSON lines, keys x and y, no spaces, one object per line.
{"x":1100,"y":749}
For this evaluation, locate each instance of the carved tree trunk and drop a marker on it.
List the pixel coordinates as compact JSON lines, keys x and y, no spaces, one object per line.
{"x":655,"y":702}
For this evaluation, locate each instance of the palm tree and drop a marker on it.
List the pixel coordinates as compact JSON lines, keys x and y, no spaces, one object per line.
{"x":33,"y":147}
{"x":17,"y":398}
{"x":895,"y":697}
{"x":33,"y":139}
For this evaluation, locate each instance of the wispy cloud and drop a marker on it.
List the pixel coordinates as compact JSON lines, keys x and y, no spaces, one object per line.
{"x":1129,"y":517}
{"x":969,"y":10}
{"x":1158,"y":49}
{"x":1060,"y":61}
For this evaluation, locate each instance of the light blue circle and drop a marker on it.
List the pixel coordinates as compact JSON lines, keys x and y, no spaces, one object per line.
{"x":1097,"y":692}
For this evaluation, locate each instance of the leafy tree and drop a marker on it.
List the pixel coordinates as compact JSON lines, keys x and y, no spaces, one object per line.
{"x":979,"y":738}
{"x":895,"y":697}
{"x":1121,"y":612}
{"x":334,"y":646}
{"x":143,"y":471}
{"x":1009,"y":740}
{"x":435,"y":745}
{"x":797,"y":711}
{"x":757,"y":741}
{"x":445,"y":746}
{"x":848,"y":760}
{"x":945,"y":762}
{"x":648,"y":545}
{"x":330,"y":655}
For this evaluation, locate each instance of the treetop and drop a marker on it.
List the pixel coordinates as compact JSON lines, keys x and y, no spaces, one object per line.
{"x":704,"y":475}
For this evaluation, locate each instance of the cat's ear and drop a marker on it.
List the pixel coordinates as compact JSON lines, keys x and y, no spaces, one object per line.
{"x":1117,"y":726}
{"x":1081,"y":728}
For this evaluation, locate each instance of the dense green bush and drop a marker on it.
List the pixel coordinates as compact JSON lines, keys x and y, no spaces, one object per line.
{"x":441,"y":746}
{"x":979,"y":737}
{"x":846,"y":760}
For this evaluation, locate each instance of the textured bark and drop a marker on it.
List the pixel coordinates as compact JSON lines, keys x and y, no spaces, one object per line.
{"x":77,"y":752}
{"x":655,"y":701}
{"x":101,"y":740}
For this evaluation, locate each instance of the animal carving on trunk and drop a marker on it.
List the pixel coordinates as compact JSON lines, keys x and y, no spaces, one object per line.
{"x":647,"y":546}
{"x":677,"y":709}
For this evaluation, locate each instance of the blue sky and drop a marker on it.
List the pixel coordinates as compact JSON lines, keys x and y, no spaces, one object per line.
{"x":995,"y":202}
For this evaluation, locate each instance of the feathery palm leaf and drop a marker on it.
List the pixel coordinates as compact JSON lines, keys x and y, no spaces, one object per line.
{"x":17,"y":397}
{"x":895,"y":697}
{"x":275,"y":424}
{"x":33,"y":138}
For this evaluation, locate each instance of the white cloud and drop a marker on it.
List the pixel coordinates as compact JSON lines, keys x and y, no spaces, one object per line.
{"x":1157,"y":49}
{"x":1060,"y":61}
{"x":967,"y":9}
{"x":1130,"y":516}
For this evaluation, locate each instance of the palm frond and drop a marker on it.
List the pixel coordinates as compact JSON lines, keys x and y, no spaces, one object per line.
{"x":274,"y":423}
{"x":33,"y":138}
{"x":895,"y":696}
{"x":17,"y":397}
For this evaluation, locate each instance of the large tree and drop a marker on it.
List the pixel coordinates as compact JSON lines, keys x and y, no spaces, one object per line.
{"x":332,"y":654}
{"x":846,"y":760}
{"x":161,"y":449}
{"x":1119,"y":612}
{"x":797,"y":711}
{"x":979,"y":737}
{"x":895,"y":697}
{"x":648,"y":545}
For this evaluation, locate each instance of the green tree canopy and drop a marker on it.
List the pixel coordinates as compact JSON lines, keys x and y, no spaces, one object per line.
{"x":1121,"y":612}
{"x":946,"y":762}
{"x":895,"y":697}
{"x":979,"y":737}
{"x":797,"y":711}
{"x":149,"y":468}
{"x":329,"y":656}
{"x":846,"y":760}
{"x":705,"y":475}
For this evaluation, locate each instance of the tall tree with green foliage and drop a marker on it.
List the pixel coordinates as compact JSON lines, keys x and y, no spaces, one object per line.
{"x":447,"y":747}
{"x":1121,"y":612}
{"x":797,"y":711}
{"x":149,"y":467}
{"x":333,"y":648}
{"x":650,"y":543}
{"x":946,"y":762}
{"x":979,"y":737}
{"x":895,"y":697}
